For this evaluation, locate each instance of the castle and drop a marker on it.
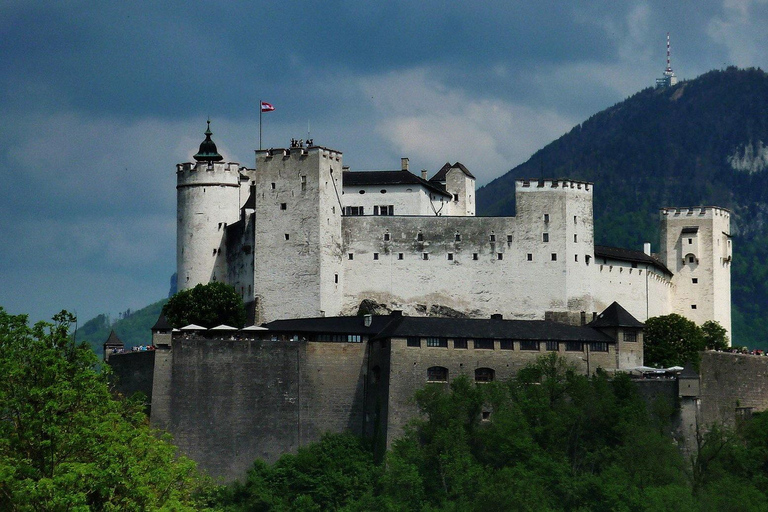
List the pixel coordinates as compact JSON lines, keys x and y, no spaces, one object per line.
{"x":302,"y":236}
{"x":310,"y":244}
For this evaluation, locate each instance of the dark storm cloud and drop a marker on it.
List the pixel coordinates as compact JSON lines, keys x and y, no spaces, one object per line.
{"x":100,"y":100}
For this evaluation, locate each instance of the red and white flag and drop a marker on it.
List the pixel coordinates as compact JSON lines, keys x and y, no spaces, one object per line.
{"x":266,"y":107}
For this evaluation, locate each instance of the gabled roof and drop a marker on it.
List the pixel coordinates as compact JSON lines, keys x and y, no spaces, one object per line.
{"x":441,"y":174}
{"x":161,"y":324}
{"x":402,"y":177}
{"x":615,"y":316}
{"x":617,"y":253}
{"x":534,"y":330}
{"x":332,"y":324}
{"x":113,"y":340}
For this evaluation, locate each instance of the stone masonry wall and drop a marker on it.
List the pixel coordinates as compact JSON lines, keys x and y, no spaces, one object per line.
{"x":732,"y":381}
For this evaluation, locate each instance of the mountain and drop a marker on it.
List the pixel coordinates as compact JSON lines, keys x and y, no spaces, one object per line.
{"x":701,"y":142}
{"x":133,"y":328}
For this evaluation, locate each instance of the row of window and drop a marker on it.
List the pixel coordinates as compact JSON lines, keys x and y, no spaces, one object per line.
{"x":383,"y":209}
{"x":508,"y":344}
{"x":440,"y":374}
{"x":475,"y":256}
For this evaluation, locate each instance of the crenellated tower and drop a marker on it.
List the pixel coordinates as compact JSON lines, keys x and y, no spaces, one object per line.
{"x":297,"y":232}
{"x":696,"y":246}
{"x":207,"y":201}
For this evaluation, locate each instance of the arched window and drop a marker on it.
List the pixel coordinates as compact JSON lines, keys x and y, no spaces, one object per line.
{"x":437,"y":374}
{"x":484,"y":375}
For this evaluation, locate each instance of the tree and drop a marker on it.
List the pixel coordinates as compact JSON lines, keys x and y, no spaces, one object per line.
{"x":207,"y":305}
{"x":715,"y":335}
{"x":66,"y":442}
{"x":672,"y":340}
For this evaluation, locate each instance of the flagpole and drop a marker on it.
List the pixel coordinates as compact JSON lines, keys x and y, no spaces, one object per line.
{"x":260,"y":110}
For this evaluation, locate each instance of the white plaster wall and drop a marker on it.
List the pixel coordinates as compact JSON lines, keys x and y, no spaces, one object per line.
{"x":408,"y":199}
{"x":456,"y":182}
{"x":711,"y":294}
{"x":294,"y":277}
{"x":207,"y":200}
{"x":643,"y":291}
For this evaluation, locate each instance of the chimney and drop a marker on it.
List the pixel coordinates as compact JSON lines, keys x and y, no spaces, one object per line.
{"x":424,"y":174}
{"x":404,"y":164}
{"x":647,"y":248}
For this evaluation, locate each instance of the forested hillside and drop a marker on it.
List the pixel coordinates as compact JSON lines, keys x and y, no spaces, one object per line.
{"x":701,"y":142}
{"x":133,"y":328}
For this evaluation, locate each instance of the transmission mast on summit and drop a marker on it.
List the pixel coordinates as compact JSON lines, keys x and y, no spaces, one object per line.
{"x":669,"y":79}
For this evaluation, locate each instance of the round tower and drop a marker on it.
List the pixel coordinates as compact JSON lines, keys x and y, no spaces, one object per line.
{"x":207,"y":201}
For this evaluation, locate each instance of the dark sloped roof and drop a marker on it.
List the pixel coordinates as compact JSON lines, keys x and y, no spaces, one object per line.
{"x":690,"y":229}
{"x":440,"y":176}
{"x":615,"y":316}
{"x":488,"y":328}
{"x":162,"y":324}
{"x":617,"y":253}
{"x":402,"y":177}
{"x":331,"y":324}
{"x":113,"y":339}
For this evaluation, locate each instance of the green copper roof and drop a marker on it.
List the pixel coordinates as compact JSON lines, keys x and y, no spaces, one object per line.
{"x":207,"y":151}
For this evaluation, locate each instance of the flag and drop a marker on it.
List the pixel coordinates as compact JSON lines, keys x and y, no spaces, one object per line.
{"x":266,"y":107}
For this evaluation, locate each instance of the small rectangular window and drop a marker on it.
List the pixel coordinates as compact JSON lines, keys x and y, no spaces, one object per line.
{"x":437,"y":342}
{"x":460,"y":343}
{"x":695,"y":280}
{"x":474,"y":256}
{"x":598,"y":346}
{"x":375,"y":256}
{"x":691,"y":259}
{"x":484,"y":344}
{"x":420,"y":237}
{"x":574,"y":346}
{"x":425,"y":256}
{"x":546,"y":217}
{"x":457,"y":238}
{"x":530,"y":257}
{"x":576,"y":258}
{"x":554,"y":256}
{"x":303,"y":183}
{"x":493,"y":238}
{"x":287,"y":236}
{"x":545,"y":237}
{"x":351,"y":256}
{"x":399,"y":255}
{"x":386,"y":237}
{"x":336,"y":278}
{"x":509,"y":239}
{"x":455,"y":197}
{"x":575,"y":238}
{"x":574,"y":220}
{"x":693,"y":306}
{"x":587,"y":258}
{"x":553,"y":346}
{"x":413,"y":341}
{"x":630,"y":336}
{"x":450,"y":256}
{"x":273,"y":186}
{"x":506,"y":345}
{"x":283,"y":206}
{"x":529,"y":345}
{"x":690,"y":241}
{"x":500,"y":256}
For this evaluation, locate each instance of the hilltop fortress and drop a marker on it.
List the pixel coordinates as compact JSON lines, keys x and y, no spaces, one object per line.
{"x":303,"y":236}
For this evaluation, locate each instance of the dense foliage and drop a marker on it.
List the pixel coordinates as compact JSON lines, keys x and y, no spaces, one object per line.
{"x":673,"y":340}
{"x":65,"y":442}
{"x":673,"y":147}
{"x":207,"y":305}
{"x":554,"y":440}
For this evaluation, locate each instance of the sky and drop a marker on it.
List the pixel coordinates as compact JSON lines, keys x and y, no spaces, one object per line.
{"x":100,"y":100}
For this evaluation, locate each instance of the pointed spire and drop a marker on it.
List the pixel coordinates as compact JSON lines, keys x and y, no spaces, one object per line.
{"x":208,"y":151}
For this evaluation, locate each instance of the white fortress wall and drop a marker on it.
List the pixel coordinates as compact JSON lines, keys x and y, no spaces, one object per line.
{"x":643,"y":291}
{"x":485,"y":271}
{"x":207,"y":201}
{"x":297,"y":231}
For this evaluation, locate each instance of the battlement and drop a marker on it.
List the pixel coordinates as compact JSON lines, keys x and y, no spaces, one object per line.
{"x":298,"y":151}
{"x":550,"y":183}
{"x":706,"y":212}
